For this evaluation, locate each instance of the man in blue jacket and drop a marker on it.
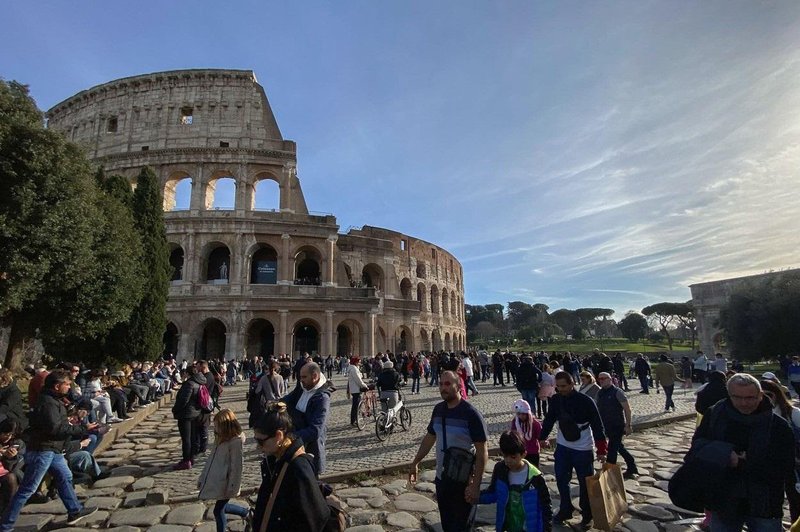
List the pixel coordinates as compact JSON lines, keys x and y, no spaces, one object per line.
{"x":309,"y":405}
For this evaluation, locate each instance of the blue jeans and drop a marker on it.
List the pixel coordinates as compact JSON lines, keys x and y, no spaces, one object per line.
{"x":37,"y":464}
{"x":222,"y":507}
{"x":645,"y":382}
{"x":414,"y":384}
{"x":668,"y":390}
{"x":83,"y":462}
{"x":470,"y":385}
{"x":720,"y":523}
{"x":530,"y":397}
{"x":566,"y":460}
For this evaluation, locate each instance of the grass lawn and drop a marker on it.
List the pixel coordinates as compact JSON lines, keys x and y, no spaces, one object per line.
{"x":607,"y":345}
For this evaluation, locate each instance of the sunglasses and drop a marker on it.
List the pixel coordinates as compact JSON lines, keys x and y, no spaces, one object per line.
{"x":261,"y":441}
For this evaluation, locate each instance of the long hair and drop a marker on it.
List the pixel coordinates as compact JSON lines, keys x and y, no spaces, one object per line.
{"x":226,"y":426}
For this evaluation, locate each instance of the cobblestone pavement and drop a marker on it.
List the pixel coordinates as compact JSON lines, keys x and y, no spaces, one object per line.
{"x":156,"y":442}
{"x":132,"y":501}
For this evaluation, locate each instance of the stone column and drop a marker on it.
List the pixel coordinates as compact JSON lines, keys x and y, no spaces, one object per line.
{"x":329,"y":262}
{"x":185,"y":348}
{"x":282,"y":332}
{"x":329,"y":332}
{"x":370,"y":344}
{"x":285,"y":270}
{"x":197,"y":200}
{"x":190,"y":266}
{"x":287,"y":181}
{"x":240,"y":202}
{"x":230,"y":345}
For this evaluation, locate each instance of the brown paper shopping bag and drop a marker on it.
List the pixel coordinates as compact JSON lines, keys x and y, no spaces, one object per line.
{"x":607,"y":497}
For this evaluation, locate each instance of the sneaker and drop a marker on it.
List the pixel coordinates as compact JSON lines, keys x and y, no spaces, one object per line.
{"x":115,"y":419}
{"x":629,"y":475}
{"x":74,"y":519}
{"x":183,"y":464}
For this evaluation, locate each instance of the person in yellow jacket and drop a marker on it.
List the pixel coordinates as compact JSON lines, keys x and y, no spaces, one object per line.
{"x":666,"y":376}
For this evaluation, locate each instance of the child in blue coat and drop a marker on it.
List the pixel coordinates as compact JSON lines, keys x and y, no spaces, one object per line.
{"x":518,"y":488}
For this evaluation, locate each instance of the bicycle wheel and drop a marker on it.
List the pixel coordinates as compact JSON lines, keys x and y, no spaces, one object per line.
{"x":362,"y":414}
{"x":405,"y":418}
{"x":380,"y":427}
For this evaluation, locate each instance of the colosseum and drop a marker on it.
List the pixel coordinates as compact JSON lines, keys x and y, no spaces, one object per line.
{"x":251,"y":278}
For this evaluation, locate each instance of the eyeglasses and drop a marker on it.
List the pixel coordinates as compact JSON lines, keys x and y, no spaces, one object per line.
{"x":261,"y":441}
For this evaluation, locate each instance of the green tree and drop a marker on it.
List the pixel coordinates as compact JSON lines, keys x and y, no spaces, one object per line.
{"x":51,"y":223}
{"x":633,"y":326}
{"x":665,"y":315}
{"x":760,"y":319}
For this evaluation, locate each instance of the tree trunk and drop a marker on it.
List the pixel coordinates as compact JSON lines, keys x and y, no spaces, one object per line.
{"x":20,"y":331}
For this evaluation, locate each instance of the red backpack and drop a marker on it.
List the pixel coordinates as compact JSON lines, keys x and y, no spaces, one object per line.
{"x":204,"y":400}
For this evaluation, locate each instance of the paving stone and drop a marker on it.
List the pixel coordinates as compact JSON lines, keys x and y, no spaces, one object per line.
{"x":144,"y":483}
{"x":114,"y":482}
{"x":682,"y":511}
{"x":130,"y":469}
{"x":651,"y":511}
{"x":158,"y":496}
{"x":637,"y":525}
{"x":207,"y":527}
{"x":96,"y":519}
{"x":429,"y":487}
{"x":103,"y":492}
{"x":661,"y":474}
{"x":29,"y":522}
{"x":367,"y":517}
{"x":189,"y":514}
{"x":365,"y":528}
{"x":429,"y":475}
{"x":137,"y":517}
{"x":356,"y":503}
{"x":414,"y":502}
{"x":359,"y":493}
{"x":124,"y":453}
{"x":170,"y":528}
{"x":103,"y":503}
{"x":368,"y":483}
{"x":402,"y":520}
{"x":135,"y":499}
{"x":396,"y":487}
{"x":378,"y":502}
{"x":51,"y":507}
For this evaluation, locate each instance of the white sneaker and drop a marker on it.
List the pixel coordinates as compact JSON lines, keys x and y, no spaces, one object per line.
{"x":115,"y":420}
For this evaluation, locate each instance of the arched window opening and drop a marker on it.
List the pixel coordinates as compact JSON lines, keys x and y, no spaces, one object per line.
{"x":307,"y":267}
{"x":219,"y":265}
{"x":212,"y":343}
{"x":372,"y":276}
{"x":436,"y":340}
{"x":264,"y":266}
{"x":445,"y":302}
{"x":448,"y":345}
{"x":306,"y":338}
{"x":453,"y":305}
{"x":176,"y":262}
{"x":421,"y":270}
{"x":178,"y":194}
{"x":221,"y":194}
{"x":434,"y":299}
{"x":267,"y":196}
{"x":349,"y":273}
{"x":171,"y":339}
{"x":260,"y":338}
{"x":344,"y":341}
{"x":405,"y":289}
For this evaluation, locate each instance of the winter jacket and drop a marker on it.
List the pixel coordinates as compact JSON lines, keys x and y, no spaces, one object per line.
{"x":311,"y":425}
{"x":354,"y":380}
{"x":11,"y":404}
{"x":186,"y":402}
{"x":299,"y":504}
{"x":535,"y":498}
{"x":222,"y":475}
{"x":665,"y":374}
{"x":50,"y":429}
{"x":713,"y":392}
{"x":528,"y":376}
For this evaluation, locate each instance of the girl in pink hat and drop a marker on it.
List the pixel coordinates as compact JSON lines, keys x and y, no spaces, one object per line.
{"x":528,"y":427}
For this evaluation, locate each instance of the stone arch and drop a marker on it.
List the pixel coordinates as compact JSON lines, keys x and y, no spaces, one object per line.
{"x":177,"y":192}
{"x":435,"y":299}
{"x":436,"y":340}
{"x":265,"y":192}
{"x":404,"y":340}
{"x":445,"y":302}
{"x":421,"y":293}
{"x":405,"y":289}
{"x":172,"y":337}
{"x":372,"y":276}
{"x":263,"y":264}
{"x":424,"y":340}
{"x":218,"y":263}
{"x":176,"y":261}
{"x":260,"y":338}
{"x":448,"y":344}
{"x":453,"y":305}
{"x":306,"y":335}
{"x":308,"y":266}
{"x":348,"y":338}
{"x":220,"y":191}
{"x":212,"y":339}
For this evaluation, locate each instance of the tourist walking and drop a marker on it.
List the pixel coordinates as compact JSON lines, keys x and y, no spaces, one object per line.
{"x":782,"y":407}
{"x":186,"y":411}
{"x":701,"y":367}
{"x":642,"y":369}
{"x":289,"y":499}
{"x":546,"y":391}
{"x":221,"y":479}
{"x":309,"y":405}
{"x":459,"y":433}
{"x":48,"y":435}
{"x":355,"y":387}
{"x":579,"y":429}
{"x":686,"y":373}
{"x":469,"y":374}
{"x":528,"y":379}
{"x":589,"y":386}
{"x":615,"y":411}
{"x":666,"y":376}
{"x":528,"y":428}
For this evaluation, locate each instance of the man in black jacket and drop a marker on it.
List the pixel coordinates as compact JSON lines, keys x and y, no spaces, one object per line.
{"x":748,"y":454}
{"x":528,"y":379}
{"x":48,"y":435}
{"x":579,"y":425}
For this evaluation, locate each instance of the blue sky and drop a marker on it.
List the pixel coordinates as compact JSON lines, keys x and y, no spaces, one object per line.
{"x":569,"y":153}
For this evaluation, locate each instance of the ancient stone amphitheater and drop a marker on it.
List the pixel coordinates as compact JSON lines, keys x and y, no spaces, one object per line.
{"x":249,"y":278}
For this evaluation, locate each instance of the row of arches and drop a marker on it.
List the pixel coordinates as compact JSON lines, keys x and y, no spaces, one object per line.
{"x":220,"y":193}
{"x":260,"y":339}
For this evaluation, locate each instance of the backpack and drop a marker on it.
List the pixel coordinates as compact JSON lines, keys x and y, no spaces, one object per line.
{"x":204,"y":400}
{"x":340,"y":520}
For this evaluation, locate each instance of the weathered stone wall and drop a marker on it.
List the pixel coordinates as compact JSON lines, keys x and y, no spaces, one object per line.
{"x":411,"y":297}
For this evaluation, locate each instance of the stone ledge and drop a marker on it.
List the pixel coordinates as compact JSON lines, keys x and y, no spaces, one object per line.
{"x":121,"y":429}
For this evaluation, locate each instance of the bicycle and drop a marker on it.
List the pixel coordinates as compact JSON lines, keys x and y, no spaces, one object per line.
{"x":385,"y":422}
{"x":367,"y":407}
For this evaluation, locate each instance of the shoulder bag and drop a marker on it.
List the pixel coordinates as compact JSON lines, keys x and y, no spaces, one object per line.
{"x":458,"y":463}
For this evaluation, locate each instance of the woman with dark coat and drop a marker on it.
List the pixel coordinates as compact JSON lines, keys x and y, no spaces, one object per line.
{"x":187,"y":411}
{"x":713,"y":392}
{"x":290,"y":483}
{"x":11,"y":399}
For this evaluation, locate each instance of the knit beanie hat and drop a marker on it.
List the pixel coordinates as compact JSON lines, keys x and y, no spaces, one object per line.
{"x":521,"y":406}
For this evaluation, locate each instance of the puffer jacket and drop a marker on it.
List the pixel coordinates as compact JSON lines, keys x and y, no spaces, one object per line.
{"x":186,"y":406}
{"x":50,"y":429}
{"x":11,"y":404}
{"x":535,"y":498}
